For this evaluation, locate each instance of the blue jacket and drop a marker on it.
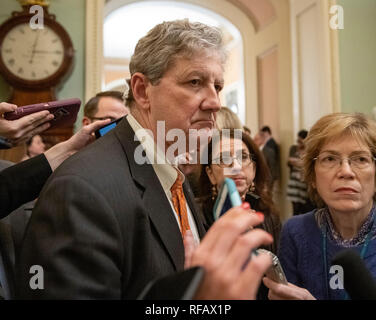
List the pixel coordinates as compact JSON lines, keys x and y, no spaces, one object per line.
{"x":301,"y":256}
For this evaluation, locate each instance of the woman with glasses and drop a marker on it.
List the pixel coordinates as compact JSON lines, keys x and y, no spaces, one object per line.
{"x":339,"y":169}
{"x":233,"y":154}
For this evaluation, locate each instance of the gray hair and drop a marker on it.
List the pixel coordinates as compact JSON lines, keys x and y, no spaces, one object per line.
{"x":155,"y":52}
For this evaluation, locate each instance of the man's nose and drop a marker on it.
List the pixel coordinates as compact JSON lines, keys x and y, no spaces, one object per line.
{"x":211,"y":100}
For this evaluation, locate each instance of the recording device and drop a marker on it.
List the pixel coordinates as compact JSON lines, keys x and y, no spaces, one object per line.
{"x":357,"y":279}
{"x":178,"y":286}
{"x":275,"y":272}
{"x":64,"y":111}
{"x":107,"y":128}
{"x":228,"y":197}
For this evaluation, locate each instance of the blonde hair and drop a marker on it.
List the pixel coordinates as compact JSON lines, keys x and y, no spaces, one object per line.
{"x":155,"y":52}
{"x":331,"y":127}
{"x":227,"y":119}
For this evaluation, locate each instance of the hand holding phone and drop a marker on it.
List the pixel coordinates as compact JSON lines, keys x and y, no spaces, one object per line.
{"x":229,"y":197}
{"x":64,"y":111}
{"x":14,"y":132}
{"x":275,"y":272}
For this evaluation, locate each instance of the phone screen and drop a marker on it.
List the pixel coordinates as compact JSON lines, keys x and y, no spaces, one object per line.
{"x":104,"y":130}
{"x":107,"y":128}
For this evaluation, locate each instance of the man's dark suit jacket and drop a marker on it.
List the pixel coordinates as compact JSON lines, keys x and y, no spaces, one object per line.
{"x":103,"y":227}
{"x":272,"y":156}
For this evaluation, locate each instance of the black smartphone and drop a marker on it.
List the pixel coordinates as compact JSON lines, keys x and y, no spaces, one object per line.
{"x":107,"y":128}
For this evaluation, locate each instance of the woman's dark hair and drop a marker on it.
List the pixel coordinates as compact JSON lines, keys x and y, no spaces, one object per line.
{"x":262,"y":177}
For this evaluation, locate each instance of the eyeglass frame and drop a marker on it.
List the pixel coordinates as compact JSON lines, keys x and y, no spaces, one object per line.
{"x":250,"y":157}
{"x":348,"y":161}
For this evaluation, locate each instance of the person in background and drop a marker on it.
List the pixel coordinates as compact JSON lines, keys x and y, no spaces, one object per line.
{"x":236,"y":156}
{"x":296,"y":187}
{"x":257,"y":139}
{"x":34,"y":147}
{"x":271,"y":153}
{"x":104,"y":105}
{"x":242,"y":161}
{"x":339,"y":170}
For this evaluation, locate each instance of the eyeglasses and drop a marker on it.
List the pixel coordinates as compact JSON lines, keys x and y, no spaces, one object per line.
{"x":331,"y":161}
{"x":225,"y":160}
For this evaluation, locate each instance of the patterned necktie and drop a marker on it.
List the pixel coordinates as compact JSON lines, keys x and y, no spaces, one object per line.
{"x":179,"y":203}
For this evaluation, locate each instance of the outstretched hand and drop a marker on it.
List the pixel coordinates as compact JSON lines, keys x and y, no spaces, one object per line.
{"x":224,"y":253}
{"x":63,"y":150}
{"x":20,"y":130}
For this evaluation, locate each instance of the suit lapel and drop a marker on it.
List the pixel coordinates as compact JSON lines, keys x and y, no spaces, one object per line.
{"x":154,"y":197}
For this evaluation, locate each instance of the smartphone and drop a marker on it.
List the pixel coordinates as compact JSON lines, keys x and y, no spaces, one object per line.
{"x":275,"y":272}
{"x":108,"y":127}
{"x":64,"y":111}
{"x":228,"y":197}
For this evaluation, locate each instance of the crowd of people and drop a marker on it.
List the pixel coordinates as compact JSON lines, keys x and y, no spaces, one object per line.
{"x":106,"y":225}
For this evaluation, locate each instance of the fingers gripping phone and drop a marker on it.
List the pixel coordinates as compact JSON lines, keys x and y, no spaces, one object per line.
{"x":229,"y":197}
{"x":64,"y":111}
{"x":275,"y":272}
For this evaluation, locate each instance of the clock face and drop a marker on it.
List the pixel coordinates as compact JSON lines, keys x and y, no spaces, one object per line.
{"x":32,"y":54}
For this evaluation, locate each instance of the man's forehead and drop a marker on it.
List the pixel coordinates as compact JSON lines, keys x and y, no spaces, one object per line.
{"x":110,"y":104}
{"x":199,"y":65}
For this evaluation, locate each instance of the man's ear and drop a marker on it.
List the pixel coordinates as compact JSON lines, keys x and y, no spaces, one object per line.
{"x":139,"y":84}
{"x":85,"y":121}
{"x":211,"y":176}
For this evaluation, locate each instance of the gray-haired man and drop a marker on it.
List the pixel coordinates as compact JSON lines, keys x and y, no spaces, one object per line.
{"x":120,"y":223}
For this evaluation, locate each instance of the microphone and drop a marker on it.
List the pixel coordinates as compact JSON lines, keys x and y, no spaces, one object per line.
{"x":358,"y":281}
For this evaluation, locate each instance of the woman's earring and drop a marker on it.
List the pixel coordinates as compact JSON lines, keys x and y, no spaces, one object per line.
{"x":214,"y":192}
{"x":252,"y":187}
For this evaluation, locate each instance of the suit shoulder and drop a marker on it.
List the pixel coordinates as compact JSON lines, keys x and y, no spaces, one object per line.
{"x":101,"y":164}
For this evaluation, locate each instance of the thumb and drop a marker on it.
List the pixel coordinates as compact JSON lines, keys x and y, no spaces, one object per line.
{"x":189,"y":248}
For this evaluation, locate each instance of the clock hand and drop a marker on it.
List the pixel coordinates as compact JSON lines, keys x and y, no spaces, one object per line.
{"x":33,"y":47}
{"x":45,"y":51}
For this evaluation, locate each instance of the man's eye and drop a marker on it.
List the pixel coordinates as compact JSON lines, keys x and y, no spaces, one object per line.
{"x":195,"y":82}
{"x":218,"y":87}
